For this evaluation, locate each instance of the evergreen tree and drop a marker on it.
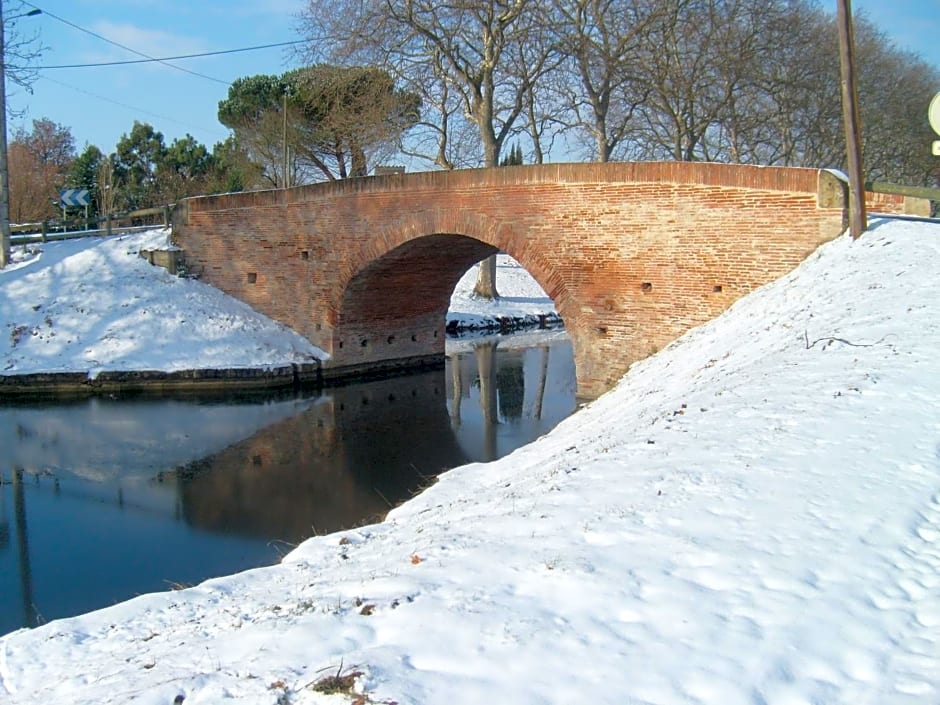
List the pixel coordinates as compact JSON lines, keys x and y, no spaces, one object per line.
{"x":83,"y":173}
{"x":135,"y":167}
{"x":514,"y":158}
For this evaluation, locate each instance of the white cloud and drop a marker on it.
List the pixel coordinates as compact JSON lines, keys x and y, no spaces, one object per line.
{"x":153,"y":42}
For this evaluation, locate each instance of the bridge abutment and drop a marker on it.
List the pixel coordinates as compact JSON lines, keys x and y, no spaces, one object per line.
{"x":364,"y":349}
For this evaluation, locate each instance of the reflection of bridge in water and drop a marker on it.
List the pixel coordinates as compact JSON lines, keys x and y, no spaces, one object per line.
{"x":333,"y":462}
{"x":362,"y":449}
{"x":343,"y":461}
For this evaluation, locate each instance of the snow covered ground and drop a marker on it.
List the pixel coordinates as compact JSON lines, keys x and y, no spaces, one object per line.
{"x":751,"y":517}
{"x":94,"y":305}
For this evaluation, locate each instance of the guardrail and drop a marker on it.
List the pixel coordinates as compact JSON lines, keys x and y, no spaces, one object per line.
{"x":925,"y":192}
{"x":46,"y":231}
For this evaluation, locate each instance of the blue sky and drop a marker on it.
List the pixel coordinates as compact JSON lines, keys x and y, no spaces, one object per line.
{"x":100,"y":104}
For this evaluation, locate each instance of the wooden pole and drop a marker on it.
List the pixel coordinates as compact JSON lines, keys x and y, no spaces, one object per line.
{"x":858,"y":218}
{"x":4,"y":171}
{"x":284,"y":142}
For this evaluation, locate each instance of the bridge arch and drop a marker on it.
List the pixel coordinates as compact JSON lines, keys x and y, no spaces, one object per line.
{"x":632,"y":254}
{"x":416,"y":264}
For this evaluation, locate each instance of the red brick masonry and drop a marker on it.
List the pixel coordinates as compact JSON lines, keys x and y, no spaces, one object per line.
{"x":633,"y":254}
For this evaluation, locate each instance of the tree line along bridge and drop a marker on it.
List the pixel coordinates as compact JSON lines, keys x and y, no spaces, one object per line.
{"x":632,"y":254}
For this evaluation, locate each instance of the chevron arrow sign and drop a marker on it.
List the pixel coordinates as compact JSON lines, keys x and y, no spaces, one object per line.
{"x":73,"y":196}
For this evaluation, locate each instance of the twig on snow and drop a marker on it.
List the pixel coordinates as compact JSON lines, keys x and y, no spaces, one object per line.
{"x":832,"y":339}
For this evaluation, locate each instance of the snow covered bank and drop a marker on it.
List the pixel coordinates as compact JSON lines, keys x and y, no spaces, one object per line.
{"x":522,"y":302}
{"x":93,"y":306}
{"x":751,"y":517}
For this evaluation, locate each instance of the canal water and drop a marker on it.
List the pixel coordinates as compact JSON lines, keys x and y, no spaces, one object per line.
{"x":105,"y":499}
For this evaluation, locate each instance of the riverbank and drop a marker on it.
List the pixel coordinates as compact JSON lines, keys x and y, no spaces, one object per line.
{"x":751,"y":516}
{"x":91,"y":317}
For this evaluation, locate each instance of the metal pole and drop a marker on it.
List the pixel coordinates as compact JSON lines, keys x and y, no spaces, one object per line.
{"x":858,"y":218}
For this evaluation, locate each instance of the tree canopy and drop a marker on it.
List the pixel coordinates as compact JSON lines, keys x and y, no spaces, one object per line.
{"x":318,"y":122}
{"x":39,"y":162}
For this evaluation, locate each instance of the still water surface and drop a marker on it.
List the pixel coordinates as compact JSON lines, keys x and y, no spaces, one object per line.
{"x":104,"y":499}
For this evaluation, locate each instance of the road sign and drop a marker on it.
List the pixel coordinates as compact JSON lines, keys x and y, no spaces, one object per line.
{"x":933,"y":113}
{"x":933,"y":116}
{"x":74,"y":197}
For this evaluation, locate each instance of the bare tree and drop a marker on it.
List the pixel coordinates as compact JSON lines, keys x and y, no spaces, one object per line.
{"x":106,"y":186}
{"x":894,"y":87}
{"x":443,"y":136}
{"x":22,"y":47}
{"x":535,"y":62}
{"x":699,"y":63}
{"x":603,"y":81}
{"x":795,"y":116}
{"x":789,"y":110}
{"x":462,"y":48}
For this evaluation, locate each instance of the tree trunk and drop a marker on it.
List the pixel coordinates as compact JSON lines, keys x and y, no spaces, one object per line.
{"x":485,"y":287}
{"x":357,"y":155}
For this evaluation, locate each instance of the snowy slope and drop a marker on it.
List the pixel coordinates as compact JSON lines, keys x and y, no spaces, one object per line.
{"x":93,"y":305}
{"x":751,"y":517}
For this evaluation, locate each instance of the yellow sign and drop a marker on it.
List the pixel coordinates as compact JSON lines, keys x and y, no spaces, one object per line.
{"x":933,"y":116}
{"x":933,"y":113}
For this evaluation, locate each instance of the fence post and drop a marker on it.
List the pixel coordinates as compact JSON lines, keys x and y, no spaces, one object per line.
{"x":166,"y":216}
{"x":43,"y":230}
{"x":108,"y":226}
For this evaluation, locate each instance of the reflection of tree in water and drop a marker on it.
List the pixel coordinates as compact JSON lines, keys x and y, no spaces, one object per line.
{"x":510,"y":379}
{"x":341,"y":463}
{"x":498,"y":376}
{"x":457,"y":392}
{"x":486,"y":379}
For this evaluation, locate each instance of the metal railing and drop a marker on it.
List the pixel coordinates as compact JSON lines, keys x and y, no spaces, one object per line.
{"x":73,"y":228}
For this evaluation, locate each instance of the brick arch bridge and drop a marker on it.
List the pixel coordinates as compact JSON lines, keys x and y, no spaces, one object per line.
{"x":632,"y":254}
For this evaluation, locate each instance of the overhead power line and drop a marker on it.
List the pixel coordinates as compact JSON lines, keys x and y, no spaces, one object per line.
{"x":199,"y":128}
{"x":171,"y":58}
{"x":126,"y":48}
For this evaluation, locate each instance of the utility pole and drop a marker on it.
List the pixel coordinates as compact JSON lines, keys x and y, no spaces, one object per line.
{"x":858,"y":218}
{"x":4,"y":168}
{"x":284,"y":142}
